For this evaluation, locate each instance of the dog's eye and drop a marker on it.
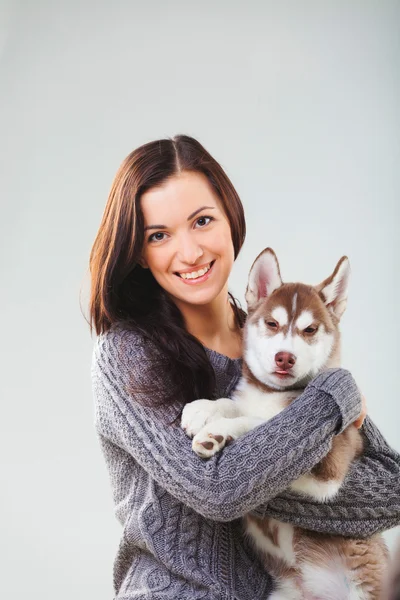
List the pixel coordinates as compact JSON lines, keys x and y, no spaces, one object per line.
{"x":310,"y":329}
{"x":272,"y":324}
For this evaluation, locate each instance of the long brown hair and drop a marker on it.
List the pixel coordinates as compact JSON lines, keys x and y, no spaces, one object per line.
{"x":124,"y":292}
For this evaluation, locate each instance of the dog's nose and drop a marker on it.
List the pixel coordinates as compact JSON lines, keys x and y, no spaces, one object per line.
{"x":285,"y":360}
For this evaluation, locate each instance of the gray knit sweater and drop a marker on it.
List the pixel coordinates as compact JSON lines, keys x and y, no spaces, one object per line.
{"x":181,"y":515}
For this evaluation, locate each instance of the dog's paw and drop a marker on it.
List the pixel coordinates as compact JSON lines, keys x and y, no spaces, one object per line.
{"x":196,"y":414}
{"x":211,"y":439}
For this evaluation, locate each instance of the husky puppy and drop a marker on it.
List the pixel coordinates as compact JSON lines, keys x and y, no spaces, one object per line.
{"x":292,"y":334}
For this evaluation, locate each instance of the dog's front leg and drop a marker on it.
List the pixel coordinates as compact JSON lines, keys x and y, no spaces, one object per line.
{"x":215,"y":434}
{"x":199,"y":412}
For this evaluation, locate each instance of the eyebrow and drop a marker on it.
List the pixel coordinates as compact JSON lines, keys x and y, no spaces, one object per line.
{"x":189,"y":217}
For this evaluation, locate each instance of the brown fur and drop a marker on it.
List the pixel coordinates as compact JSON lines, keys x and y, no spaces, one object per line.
{"x":268,"y":527}
{"x":392,"y":588}
{"x":306,"y":296}
{"x":345,"y":448}
{"x":364,"y":560}
{"x":274,"y":565}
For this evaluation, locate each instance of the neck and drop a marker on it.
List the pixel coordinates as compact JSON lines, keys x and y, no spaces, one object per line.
{"x":212,"y":324}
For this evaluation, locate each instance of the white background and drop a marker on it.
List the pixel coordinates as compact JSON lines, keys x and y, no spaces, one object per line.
{"x":299,"y":103}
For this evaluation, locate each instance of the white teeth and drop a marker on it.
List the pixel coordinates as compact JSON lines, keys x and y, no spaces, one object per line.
{"x":195,"y":274}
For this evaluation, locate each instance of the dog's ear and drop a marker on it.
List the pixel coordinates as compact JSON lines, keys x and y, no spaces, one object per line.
{"x":334,"y":288}
{"x":264,"y":278}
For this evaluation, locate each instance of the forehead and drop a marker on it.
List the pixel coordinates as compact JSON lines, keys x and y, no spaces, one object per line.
{"x":177,"y":197}
{"x":292,"y":301}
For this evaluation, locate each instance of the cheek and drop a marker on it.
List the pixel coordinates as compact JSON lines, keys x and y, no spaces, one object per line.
{"x":222,"y":242}
{"x":313,"y":354}
{"x":262,"y":346}
{"x":157,"y":263}
{"x":228,"y":254}
{"x":324,"y":345}
{"x":304,"y":351}
{"x":274,"y":344}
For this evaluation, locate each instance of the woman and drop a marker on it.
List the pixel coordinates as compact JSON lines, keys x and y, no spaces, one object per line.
{"x":170,"y":332}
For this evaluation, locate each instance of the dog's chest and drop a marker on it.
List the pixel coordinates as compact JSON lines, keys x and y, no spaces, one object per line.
{"x":256,"y":402}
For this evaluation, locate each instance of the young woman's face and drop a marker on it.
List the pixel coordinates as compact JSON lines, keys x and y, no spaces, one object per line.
{"x":186,"y":232}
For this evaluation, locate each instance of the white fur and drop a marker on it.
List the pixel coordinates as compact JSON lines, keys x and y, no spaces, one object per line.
{"x":319,"y":490}
{"x":255,"y":402}
{"x":223,"y":428}
{"x":262,"y":326}
{"x":262,"y":349}
{"x":335,"y":292}
{"x":251,"y":406}
{"x":280,"y":314}
{"x":264,"y":278}
{"x":329,"y":584}
{"x":286,"y":591}
{"x":304,"y":319}
{"x":284,"y":550}
{"x":294,"y":304}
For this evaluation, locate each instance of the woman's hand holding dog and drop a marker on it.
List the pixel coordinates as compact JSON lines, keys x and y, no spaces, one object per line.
{"x":359,"y":422}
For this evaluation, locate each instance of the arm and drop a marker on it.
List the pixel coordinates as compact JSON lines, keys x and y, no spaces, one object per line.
{"x":368,"y":501}
{"x":251,"y":470}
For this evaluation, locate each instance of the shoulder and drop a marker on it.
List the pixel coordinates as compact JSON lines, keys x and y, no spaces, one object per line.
{"x":122,"y":345}
{"x":128,"y":365}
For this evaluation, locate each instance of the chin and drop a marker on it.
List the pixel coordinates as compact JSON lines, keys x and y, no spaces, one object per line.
{"x":200,"y":299}
{"x":283,"y":382}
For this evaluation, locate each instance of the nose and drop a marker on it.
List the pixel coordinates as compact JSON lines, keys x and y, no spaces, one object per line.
{"x":189,"y":250}
{"x":285,"y":360}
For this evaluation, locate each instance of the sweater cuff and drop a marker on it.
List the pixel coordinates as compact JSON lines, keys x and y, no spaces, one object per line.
{"x":340,"y":385}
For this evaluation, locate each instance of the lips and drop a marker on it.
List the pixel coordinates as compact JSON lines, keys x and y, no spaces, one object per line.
{"x":178,"y":273}
{"x":283,"y":374}
{"x":198,"y":281}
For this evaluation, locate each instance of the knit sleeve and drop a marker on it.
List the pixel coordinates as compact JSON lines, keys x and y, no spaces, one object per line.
{"x":248,"y":472}
{"x":367,"y":503}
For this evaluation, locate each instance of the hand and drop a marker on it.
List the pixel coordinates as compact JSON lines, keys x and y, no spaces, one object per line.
{"x":359,"y":422}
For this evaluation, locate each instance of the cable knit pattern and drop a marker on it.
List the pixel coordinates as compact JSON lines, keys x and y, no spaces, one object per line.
{"x":182,"y":534}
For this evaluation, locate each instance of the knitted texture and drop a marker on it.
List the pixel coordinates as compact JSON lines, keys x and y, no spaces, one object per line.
{"x":181,"y":515}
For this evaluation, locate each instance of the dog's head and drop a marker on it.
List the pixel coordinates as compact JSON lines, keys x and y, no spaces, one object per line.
{"x":292,"y":333}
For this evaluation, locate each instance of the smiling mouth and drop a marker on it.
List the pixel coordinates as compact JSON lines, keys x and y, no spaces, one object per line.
{"x":190,"y":277}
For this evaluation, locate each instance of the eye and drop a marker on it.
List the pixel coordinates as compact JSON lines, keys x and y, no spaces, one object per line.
{"x":202,"y":219}
{"x":152,"y":237}
{"x":310,"y":329}
{"x":272,"y":324}
{"x":159,"y":235}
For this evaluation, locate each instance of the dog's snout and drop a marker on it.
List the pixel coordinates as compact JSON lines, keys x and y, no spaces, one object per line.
{"x":285,"y":360}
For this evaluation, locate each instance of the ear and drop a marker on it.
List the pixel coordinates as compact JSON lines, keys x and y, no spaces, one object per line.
{"x":334,"y":289}
{"x":264,"y":278}
{"x":142,"y":263}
